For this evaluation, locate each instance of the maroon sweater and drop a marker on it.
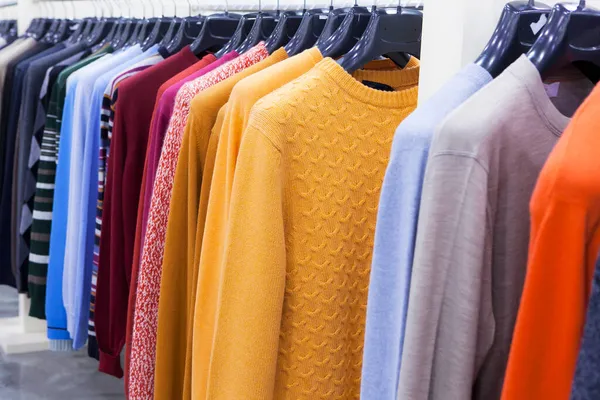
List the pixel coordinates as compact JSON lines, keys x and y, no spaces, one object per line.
{"x":135,"y":103}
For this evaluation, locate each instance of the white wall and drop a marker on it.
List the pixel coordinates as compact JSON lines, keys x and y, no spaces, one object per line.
{"x":454,"y":34}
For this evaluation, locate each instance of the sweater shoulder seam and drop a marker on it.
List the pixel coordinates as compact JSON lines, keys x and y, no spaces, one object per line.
{"x":258,"y":121}
{"x":462,"y":154}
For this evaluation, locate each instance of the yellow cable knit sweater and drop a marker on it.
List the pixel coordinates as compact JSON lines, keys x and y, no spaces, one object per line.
{"x":295,"y":274}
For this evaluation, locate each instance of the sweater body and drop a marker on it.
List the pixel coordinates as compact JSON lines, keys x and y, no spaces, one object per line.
{"x":563,"y":247}
{"x":297,"y":255}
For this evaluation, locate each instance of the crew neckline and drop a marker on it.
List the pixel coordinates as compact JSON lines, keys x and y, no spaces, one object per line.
{"x":528,"y":75}
{"x":476,"y":74}
{"x":406,"y":79}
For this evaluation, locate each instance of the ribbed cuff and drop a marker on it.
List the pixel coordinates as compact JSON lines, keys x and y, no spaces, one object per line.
{"x":110,"y":365}
{"x":61,"y":345}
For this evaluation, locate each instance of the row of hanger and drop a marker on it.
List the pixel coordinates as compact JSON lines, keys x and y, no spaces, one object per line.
{"x":570,"y":36}
{"x":353,"y":35}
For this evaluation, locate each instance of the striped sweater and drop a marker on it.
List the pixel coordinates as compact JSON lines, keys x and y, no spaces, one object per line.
{"x":44,"y":193}
{"x":107,"y":116}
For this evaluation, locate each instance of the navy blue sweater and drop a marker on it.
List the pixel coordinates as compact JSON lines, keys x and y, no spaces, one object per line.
{"x":586,"y":384}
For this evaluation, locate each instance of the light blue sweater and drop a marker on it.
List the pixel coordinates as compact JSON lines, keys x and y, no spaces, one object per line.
{"x":88,"y":159}
{"x":83,"y":113}
{"x":55,"y":310}
{"x":396,"y":231}
{"x":56,"y":316}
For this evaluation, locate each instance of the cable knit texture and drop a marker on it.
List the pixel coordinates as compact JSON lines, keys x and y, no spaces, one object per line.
{"x":299,"y":241}
{"x":144,"y":338}
{"x":226,"y":139}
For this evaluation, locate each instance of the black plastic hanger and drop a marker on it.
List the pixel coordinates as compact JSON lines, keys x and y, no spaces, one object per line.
{"x":49,"y":36}
{"x":569,"y":37}
{"x":392,"y":35}
{"x":77,"y":30}
{"x":173,"y":26}
{"x":216,"y":31}
{"x":159,"y":30}
{"x":107,"y":39}
{"x":45,"y":26}
{"x":117,"y":34}
{"x":514,"y":35}
{"x":186,"y":33}
{"x":146,"y":28}
{"x":32,"y":26}
{"x":133,"y":38}
{"x":90,"y":25}
{"x":242,"y":30}
{"x":348,"y":34}
{"x":139,"y":24}
{"x":311,"y":26}
{"x":263,"y":26}
{"x":334,"y":20}
{"x":101,"y":31}
{"x":287,"y":25}
{"x":13,"y":29}
{"x":63,"y":31}
{"x":125,"y":34}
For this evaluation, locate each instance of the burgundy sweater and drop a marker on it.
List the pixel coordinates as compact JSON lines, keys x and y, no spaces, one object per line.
{"x":135,"y":103}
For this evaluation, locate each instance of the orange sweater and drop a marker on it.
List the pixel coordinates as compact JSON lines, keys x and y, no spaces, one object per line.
{"x":243,"y":97}
{"x":564,"y":244}
{"x":299,"y":237}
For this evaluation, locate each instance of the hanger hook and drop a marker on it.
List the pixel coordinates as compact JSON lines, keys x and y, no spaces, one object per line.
{"x":581,"y":4}
{"x":95,"y":8}
{"x":226,"y":7}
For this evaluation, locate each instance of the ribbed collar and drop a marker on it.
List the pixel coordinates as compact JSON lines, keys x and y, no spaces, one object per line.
{"x":528,"y":75}
{"x":407,"y":79}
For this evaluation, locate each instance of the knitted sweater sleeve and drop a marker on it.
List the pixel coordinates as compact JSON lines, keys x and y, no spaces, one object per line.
{"x":450,"y":326}
{"x":244,"y":356}
{"x":112,"y":287}
{"x":555,"y":295}
{"x":177,"y":270}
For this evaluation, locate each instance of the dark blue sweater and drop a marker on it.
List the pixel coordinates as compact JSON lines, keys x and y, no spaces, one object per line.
{"x":586,"y":384}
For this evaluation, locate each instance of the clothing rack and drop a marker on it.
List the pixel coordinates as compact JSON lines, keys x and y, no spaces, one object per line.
{"x":443,"y":45}
{"x":24,"y":334}
{"x":454,"y":33}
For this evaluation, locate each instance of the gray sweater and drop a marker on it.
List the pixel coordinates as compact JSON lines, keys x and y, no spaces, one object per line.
{"x":473,"y":235}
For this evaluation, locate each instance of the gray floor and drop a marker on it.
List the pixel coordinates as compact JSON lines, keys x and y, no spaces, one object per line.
{"x":49,"y":375}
